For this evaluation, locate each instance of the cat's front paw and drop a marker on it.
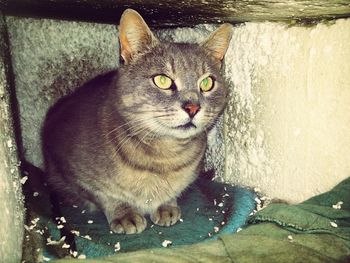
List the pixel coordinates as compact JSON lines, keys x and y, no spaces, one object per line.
{"x":166,"y":215}
{"x":130,"y":223}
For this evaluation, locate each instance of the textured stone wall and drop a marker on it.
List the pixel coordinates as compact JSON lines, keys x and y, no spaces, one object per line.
{"x":11,"y":200}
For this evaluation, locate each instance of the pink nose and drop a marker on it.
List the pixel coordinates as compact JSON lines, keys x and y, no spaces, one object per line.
{"x":191,"y":108}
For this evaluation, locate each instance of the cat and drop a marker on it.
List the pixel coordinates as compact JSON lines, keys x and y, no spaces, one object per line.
{"x":131,"y":140}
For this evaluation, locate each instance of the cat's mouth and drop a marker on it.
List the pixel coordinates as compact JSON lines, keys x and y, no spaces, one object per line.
{"x":187,"y":126}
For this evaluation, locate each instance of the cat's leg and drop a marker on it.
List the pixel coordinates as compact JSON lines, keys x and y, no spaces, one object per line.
{"x":123,"y":219}
{"x":167,"y":214}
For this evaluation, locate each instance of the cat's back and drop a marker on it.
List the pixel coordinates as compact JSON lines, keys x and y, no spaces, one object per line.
{"x":76,"y":114}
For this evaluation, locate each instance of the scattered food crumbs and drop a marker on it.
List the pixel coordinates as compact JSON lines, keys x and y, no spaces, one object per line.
{"x":197,"y":209}
{"x":160,"y":233}
{"x":82,"y":256}
{"x":222,"y":223}
{"x":75,"y":206}
{"x":214,"y":201}
{"x":111,"y":232}
{"x":24,"y":179}
{"x":60,"y":226}
{"x":83,"y":212}
{"x":225,"y":195}
{"x":166,"y":243}
{"x":35,"y":194}
{"x":290,"y":237}
{"x":209,"y":234}
{"x":63,"y":220}
{"x":334,"y":224}
{"x":223,"y":212}
{"x":338,"y":205}
{"x":75,"y":232}
{"x":87,"y":237}
{"x":152,"y":226}
{"x":210,"y":219}
{"x":117,"y":247}
{"x":65,"y":245}
{"x":221,"y":204}
{"x":90,"y":221}
{"x":9,"y":143}
{"x":239,"y":229}
{"x":181,"y":220}
{"x":216,"y":229}
{"x":225,"y":188}
{"x":46,"y":259}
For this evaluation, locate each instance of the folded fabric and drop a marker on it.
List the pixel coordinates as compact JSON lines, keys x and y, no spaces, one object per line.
{"x":280,"y":233}
{"x":208,"y":209}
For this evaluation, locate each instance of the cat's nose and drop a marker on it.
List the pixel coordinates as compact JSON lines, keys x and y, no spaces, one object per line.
{"x":191,"y":108}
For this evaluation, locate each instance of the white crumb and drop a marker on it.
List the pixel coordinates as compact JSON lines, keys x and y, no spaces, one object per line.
{"x":82,"y":256}
{"x":239,"y":229}
{"x":65,"y":245}
{"x":210,"y":219}
{"x":160,"y":233}
{"x":197,"y":209}
{"x":75,"y":206}
{"x":334,"y":224}
{"x":223,"y":212}
{"x":214,"y":201}
{"x":223,"y":223}
{"x":60,"y":226}
{"x":73,"y":253}
{"x":225,"y":195}
{"x":166,"y":243}
{"x":338,"y":205}
{"x":9,"y":143}
{"x":83,"y":212}
{"x":63,"y":220}
{"x":87,"y":237}
{"x":257,"y":200}
{"x":257,"y":190}
{"x":216,"y":229}
{"x":181,"y":220}
{"x":117,"y":247}
{"x":55,"y":242}
{"x":46,"y":259}
{"x":221,"y":204}
{"x":90,"y":221}
{"x":209,"y":234}
{"x":75,"y":232}
{"x":35,"y":194}
{"x":290,"y":237}
{"x":24,"y":179}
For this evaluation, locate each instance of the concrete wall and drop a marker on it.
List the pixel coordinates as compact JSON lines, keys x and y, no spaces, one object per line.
{"x":11,"y":199}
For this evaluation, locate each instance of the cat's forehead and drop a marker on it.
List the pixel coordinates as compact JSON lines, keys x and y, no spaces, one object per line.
{"x":181,"y":58}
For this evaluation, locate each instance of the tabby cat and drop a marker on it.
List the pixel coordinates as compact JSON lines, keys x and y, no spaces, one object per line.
{"x":130,"y":141}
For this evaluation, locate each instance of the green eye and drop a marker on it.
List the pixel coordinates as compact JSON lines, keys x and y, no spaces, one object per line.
{"x":162,"y":81}
{"x":206,"y":84}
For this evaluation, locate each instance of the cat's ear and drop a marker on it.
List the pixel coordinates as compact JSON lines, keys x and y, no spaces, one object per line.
{"x":134,"y":35}
{"x":217,"y":43}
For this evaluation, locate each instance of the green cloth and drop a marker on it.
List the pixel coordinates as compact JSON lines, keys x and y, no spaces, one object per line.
{"x":279,"y":233}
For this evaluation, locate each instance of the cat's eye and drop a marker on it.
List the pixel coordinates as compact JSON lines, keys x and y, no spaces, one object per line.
{"x":206,"y":84}
{"x":162,"y":81}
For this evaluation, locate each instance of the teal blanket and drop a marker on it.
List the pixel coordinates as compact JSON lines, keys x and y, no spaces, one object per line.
{"x":208,"y":209}
{"x":315,"y":231}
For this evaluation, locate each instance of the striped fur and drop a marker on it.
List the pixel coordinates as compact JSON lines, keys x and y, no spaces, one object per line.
{"x":117,"y":142}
